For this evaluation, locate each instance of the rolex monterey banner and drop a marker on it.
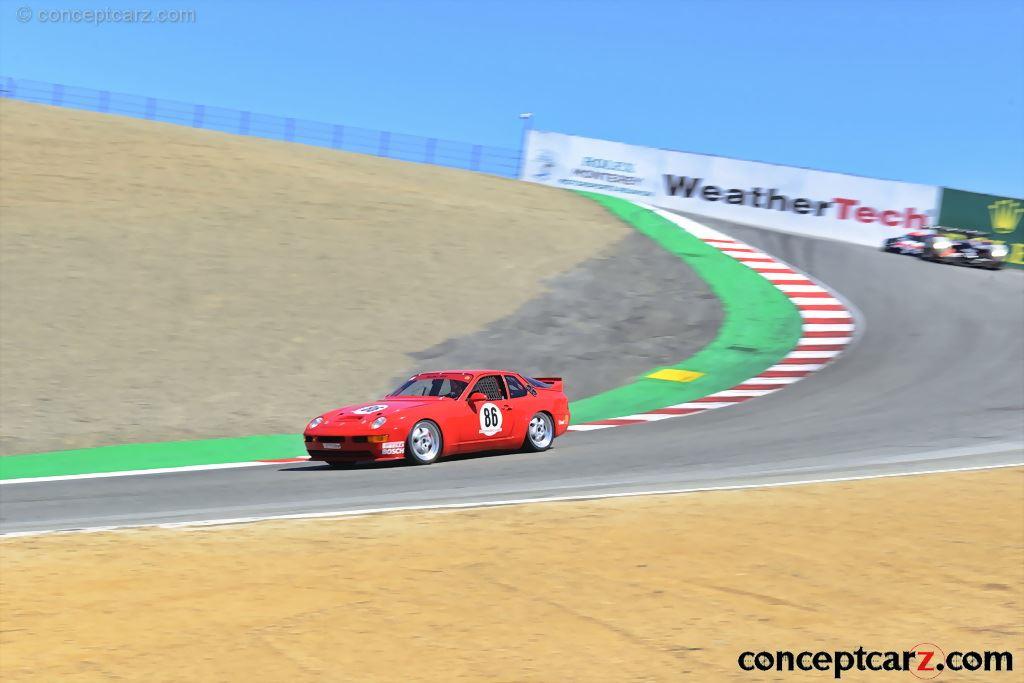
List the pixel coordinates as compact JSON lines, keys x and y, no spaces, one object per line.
{"x":797,"y":200}
{"x":1001,"y":217}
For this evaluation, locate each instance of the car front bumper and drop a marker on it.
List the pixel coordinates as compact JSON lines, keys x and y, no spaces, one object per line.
{"x":353,"y":448}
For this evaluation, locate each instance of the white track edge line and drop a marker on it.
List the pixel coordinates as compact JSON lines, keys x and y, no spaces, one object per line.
{"x":230,"y":521}
{"x":156,"y":470}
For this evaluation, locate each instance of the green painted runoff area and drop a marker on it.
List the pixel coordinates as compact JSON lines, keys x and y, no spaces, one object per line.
{"x":145,"y":456}
{"x":760,"y":326}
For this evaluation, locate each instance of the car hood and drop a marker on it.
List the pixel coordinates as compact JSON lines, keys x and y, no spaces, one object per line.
{"x":368,"y":412}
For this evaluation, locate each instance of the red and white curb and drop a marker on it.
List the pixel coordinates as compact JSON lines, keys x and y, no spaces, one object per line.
{"x":828,"y":328}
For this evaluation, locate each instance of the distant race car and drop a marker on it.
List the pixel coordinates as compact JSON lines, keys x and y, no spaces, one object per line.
{"x":912,"y":243}
{"x":945,"y":245}
{"x":436,"y":414}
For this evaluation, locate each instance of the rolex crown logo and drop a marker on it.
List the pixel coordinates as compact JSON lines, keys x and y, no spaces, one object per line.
{"x":1005,"y":214}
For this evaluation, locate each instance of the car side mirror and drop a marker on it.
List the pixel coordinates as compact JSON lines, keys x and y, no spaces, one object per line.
{"x":477,"y":397}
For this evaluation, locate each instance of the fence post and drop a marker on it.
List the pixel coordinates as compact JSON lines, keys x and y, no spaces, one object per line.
{"x":385,"y":142}
{"x":431,"y":151}
{"x":527,"y":118}
{"x":338,"y":137}
{"x":198,"y":114}
{"x":243,"y":123}
{"x":474,"y":163}
{"x":150,"y":108}
{"x":104,"y":101}
{"x":289,"y":130}
{"x":57,"y":97}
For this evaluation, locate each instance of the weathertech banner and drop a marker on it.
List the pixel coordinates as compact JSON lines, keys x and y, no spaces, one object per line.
{"x":798,"y":200}
{"x":999,"y":216}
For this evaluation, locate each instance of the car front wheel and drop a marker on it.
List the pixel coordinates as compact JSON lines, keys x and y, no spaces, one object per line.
{"x":539,"y":433}
{"x":424,"y":443}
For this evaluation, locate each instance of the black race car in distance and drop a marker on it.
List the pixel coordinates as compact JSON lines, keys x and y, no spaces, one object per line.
{"x":911,"y":244}
{"x":947,"y":245}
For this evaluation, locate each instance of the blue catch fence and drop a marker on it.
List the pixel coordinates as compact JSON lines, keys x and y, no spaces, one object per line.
{"x":482,"y":158}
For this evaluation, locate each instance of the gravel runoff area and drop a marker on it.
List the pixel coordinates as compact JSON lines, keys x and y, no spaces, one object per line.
{"x":662,"y":588}
{"x":160,"y":283}
{"x":615,"y":316}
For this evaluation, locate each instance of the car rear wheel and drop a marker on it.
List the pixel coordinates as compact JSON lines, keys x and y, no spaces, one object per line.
{"x":424,"y":443}
{"x":539,"y":433}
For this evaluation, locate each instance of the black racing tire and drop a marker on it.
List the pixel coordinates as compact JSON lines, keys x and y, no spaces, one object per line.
{"x":540,"y":433}
{"x":424,"y":444}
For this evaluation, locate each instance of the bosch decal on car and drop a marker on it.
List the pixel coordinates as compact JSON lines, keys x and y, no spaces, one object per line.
{"x":393,"y":448}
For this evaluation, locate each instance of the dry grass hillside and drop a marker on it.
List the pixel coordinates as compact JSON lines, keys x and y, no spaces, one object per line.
{"x":159,"y":282}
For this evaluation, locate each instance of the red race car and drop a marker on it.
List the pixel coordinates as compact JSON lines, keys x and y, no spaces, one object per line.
{"x":436,"y":414}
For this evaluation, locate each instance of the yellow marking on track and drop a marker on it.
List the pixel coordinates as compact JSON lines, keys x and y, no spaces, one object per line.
{"x":673,"y":375}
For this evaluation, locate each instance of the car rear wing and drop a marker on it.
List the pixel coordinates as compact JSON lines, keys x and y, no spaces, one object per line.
{"x":552,"y":382}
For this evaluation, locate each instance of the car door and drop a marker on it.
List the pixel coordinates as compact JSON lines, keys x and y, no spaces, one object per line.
{"x":492,"y":423}
{"x":524,"y":402}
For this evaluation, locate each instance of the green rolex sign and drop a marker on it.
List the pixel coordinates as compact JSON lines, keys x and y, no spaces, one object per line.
{"x":1000,"y":216}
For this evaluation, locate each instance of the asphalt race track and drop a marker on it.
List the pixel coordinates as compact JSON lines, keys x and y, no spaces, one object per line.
{"x":933,"y":382}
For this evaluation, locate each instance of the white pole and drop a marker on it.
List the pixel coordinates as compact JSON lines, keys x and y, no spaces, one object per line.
{"x":527,"y":118}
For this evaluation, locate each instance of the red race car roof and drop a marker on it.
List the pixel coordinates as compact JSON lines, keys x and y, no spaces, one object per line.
{"x":461,"y":374}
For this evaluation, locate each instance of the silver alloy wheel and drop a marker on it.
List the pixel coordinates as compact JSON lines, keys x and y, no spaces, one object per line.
{"x":540,"y":431}
{"x":425,"y":442}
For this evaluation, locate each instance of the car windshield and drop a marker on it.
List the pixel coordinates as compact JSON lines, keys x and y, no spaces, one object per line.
{"x":431,"y":386}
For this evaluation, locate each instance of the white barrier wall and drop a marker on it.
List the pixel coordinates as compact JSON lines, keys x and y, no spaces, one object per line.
{"x":797,"y":200}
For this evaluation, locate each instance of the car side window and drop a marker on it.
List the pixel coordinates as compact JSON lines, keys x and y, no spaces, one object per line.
{"x":491,"y":386}
{"x":515,"y":387}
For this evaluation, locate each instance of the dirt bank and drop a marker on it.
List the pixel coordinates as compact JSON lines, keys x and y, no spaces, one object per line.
{"x":159,"y":282}
{"x":658,"y":588}
{"x":611,"y":318}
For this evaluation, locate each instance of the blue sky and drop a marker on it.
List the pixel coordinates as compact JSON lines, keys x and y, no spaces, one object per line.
{"x":924,"y":91}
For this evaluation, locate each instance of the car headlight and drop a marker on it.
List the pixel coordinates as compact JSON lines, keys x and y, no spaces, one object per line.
{"x":942,"y":243}
{"x":378,"y":422}
{"x":316,"y":422}
{"x":999,"y":250}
